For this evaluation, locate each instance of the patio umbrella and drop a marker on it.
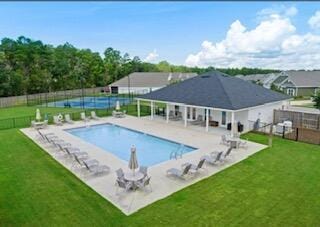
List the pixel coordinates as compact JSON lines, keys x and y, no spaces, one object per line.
{"x":38,"y":115}
{"x":117,"y":105}
{"x":133,"y":162}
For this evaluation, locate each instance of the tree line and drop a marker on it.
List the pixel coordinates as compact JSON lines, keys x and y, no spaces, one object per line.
{"x":29,"y":66}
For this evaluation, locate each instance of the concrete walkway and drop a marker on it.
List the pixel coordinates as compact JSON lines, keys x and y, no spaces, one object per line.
{"x":162,"y":185}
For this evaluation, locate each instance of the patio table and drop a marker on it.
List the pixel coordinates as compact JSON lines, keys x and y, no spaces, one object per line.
{"x":233,"y":141}
{"x":137,"y":176}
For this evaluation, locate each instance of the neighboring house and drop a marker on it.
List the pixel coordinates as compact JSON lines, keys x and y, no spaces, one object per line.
{"x":299,"y":83}
{"x":265,"y":80}
{"x":220,"y":99}
{"x":144,"y":82}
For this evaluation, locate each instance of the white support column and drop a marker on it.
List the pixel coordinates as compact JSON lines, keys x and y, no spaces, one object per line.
{"x":207,"y":120}
{"x":185,"y":116}
{"x":152,"y":109}
{"x":138,"y":107}
{"x":167,"y":112}
{"x":232,"y":124}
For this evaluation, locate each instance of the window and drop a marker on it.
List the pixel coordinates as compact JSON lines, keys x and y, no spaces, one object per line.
{"x":224,"y":118}
{"x":290,"y":91}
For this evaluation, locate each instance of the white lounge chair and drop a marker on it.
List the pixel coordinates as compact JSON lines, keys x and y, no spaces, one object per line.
{"x":96,"y":169}
{"x":83,"y":117}
{"x":57,"y":120}
{"x":178,"y":173}
{"x":94,"y":115}
{"x":195,"y":168}
{"x":213,"y":158}
{"x":68,"y":119}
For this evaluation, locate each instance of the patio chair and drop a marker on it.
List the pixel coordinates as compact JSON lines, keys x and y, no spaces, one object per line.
{"x":198,"y":121}
{"x":126,"y":186}
{"x":224,"y":140}
{"x":43,"y":135}
{"x":178,"y":173}
{"x":195,"y":168}
{"x":143,"y":170}
{"x":94,"y":115}
{"x":171,"y":115}
{"x":68,"y":119}
{"x":179,"y":116}
{"x":144,"y":183}
{"x":213,"y":158}
{"x":83,"y":117}
{"x":96,"y":169}
{"x":120,"y":174}
{"x":57,"y":121}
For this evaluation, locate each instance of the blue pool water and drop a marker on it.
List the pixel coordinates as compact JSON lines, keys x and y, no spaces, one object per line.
{"x":118,"y":140}
{"x":91,"y":102}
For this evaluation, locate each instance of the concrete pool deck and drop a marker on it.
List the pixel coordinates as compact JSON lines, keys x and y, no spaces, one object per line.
{"x":162,"y":185}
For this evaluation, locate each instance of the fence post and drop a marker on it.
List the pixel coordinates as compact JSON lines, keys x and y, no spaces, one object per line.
{"x":14,"y":122}
{"x":297,"y":134}
{"x":283,"y":131}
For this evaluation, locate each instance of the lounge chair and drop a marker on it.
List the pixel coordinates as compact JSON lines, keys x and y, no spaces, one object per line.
{"x":195,"y":168}
{"x":68,"y":119}
{"x":125,"y":185}
{"x":94,"y":116}
{"x":226,"y":154}
{"x":83,"y":117}
{"x":57,"y":121}
{"x":144,"y":183}
{"x":44,"y":136}
{"x":213,"y":158}
{"x":76,"y":153}
{"x":178,"y":173}
{"x":224,"y":140}
{"x":96,"y":169}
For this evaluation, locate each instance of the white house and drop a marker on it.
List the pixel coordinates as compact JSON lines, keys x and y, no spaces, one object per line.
{"x":219,"y":100}
{"x":144,"y":82}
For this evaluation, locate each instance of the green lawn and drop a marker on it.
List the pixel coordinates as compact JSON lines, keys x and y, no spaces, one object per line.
{"x":279,"y":186}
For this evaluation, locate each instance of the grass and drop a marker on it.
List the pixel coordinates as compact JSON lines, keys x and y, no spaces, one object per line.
{"x":278,"y":186}
{"x":22,"y":111}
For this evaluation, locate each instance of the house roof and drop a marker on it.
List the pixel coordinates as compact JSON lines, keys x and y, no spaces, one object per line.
{"x":303,"y":78}
{"x":217,"y":90}
{"x":151,"y":79}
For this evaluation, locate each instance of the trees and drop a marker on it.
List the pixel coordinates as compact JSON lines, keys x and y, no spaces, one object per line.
{"x":316,"y":100}
{"x":30,"y":66}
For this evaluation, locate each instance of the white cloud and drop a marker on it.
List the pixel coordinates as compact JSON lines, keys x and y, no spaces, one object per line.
{"x":314,"y":21}
{"x":273,"y":43}
{"x":152,"y":56}
{"x":280,"y":10}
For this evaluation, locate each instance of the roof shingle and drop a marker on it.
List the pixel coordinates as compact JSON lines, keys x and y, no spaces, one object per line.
{"x":217,"y":90}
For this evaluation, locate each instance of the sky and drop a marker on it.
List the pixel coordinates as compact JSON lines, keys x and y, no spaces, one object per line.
{"x":282,"y":35}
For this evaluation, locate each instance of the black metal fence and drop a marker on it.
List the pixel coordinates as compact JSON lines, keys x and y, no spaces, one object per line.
{"x":25,"y":121}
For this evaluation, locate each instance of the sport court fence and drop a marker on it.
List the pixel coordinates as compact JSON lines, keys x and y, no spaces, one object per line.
{"x":59,"y":98}
{"x":25,"y":121}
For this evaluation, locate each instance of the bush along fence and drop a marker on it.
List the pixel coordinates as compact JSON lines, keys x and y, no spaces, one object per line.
{"x":25,"y":121}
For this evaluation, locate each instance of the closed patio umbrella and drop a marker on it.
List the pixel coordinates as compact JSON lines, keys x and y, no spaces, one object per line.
{"x":38,"y":115}
{"x":117,"y":105}
{"x":133,"y":162}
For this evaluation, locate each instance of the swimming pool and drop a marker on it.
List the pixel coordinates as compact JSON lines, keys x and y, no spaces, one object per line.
{"x":91,"y":102}
{"x":118,"y":140}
